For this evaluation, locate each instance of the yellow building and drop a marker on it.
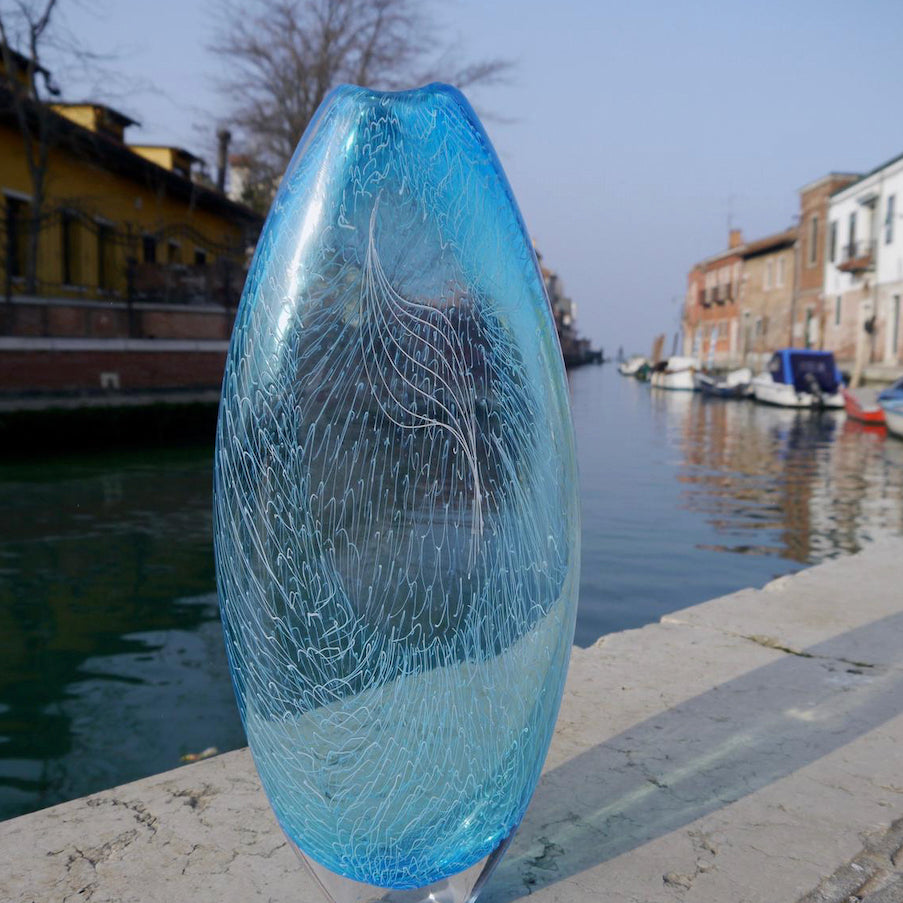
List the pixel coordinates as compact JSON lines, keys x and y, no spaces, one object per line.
{"x":140,"y":259}
{"x":118,"y":221}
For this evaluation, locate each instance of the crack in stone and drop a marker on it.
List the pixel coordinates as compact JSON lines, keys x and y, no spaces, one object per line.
{"x":770,"y":642}
{"x":138,"y":810}
{"x":195,"y":799}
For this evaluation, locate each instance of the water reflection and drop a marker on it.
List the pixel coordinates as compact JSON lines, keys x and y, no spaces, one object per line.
{"x":687,"y":498}
{"x":111,"y":659}
{"x":111,"y":656}
{"x":796,"y":484}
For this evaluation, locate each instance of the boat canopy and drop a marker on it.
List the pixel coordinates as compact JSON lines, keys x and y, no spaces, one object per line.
{"x":801,"y":368}
{"x":892,"y":393}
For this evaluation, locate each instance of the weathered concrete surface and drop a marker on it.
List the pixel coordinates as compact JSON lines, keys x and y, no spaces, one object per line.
{"x":747,"y":749}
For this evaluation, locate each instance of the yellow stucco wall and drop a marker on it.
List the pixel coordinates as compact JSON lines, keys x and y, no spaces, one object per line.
{"x":127,"y":206}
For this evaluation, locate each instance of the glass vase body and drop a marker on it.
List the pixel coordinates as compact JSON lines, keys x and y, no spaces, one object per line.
{"x":395,"y":504}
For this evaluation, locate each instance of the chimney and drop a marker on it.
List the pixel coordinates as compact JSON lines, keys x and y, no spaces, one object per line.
{"x":223,"y":137}
{"x":735,"y":238}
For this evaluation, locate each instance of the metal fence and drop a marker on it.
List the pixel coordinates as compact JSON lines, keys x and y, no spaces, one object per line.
{"x":80,"y":256}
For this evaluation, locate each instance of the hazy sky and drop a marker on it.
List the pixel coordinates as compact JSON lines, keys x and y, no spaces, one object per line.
{"x":638,"y":128}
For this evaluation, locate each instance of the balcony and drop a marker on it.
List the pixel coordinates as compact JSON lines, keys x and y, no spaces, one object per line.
{"x":857,"y":257}
{"x":723,"y":293}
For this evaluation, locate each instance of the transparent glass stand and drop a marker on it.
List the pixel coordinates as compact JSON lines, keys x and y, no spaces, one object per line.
{"x":464,"y":887}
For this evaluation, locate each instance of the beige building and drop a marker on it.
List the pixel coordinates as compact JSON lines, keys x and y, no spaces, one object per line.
{"x":766,"y":296}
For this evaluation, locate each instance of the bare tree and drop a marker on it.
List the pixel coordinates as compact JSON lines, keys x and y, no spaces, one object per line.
{"x":25,"y":88}
{"x":285,"y":58}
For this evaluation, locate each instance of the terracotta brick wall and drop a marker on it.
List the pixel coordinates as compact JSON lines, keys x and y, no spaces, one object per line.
{"x":159,"y":324}
{"x":112,"y":321}
{"x":72,"y":371}
{"x":814,"y":202}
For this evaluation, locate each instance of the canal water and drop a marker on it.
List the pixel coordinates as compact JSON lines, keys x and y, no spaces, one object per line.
{"x":111,"y":658}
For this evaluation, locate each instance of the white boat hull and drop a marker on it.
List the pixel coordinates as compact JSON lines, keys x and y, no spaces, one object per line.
{"x":677,"y":375}
{"x":681,"y":381}
{"x":630,"y":367}
{"x":767,"y":391}
{"x":894,"y":421}
{"x":735,"y":384}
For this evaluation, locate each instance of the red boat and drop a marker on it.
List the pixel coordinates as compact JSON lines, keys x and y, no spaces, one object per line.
{"x":862,"y":404}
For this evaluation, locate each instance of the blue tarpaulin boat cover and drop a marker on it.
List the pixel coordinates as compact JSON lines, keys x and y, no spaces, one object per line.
{"x":892,"y":393}
{"x":800,"y":368}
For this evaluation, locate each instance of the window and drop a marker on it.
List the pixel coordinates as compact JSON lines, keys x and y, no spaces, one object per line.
{"x":766,"y":278}
{"x":104,"y":255}
{"x":17,"y":235}
{"x":832,"y":242}
{"x":71,"y":249}
{"x":813,"y":240}
{"x":837,"y":310}
{"x":895,"y":327}
{"x":889,"y":219}
{"x":173,"y":252}
{"x":851,"y":237}
{"x":780,"y":278}
{"x":149,"y":249}
{"x":200,"y":257}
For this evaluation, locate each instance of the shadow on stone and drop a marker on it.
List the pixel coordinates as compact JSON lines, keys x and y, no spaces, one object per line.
{"x":704,"y":754}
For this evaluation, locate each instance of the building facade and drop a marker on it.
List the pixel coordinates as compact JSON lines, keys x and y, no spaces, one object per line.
{"x":809,"y":314}
{"x":710,"y":323}
{"x":864,"y":268}
{"x":125,"y":274}
{"x":777,"y":294}
{"x":766,"y":296}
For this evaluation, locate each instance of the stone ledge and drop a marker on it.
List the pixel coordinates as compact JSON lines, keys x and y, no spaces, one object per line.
{"x":743,"y":749}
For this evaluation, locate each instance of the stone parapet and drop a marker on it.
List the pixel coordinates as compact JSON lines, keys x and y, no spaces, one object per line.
{"x":744,"y":749}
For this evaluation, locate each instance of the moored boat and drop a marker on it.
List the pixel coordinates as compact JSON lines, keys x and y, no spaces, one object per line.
{"x":734,"y":384}
{"x":893,"y":392}
{"x":893,"y":416}
{"x":676,"y":373}
{"x":862,"y":404}
{"x":800,"y":378}
{"x":631,"y":366}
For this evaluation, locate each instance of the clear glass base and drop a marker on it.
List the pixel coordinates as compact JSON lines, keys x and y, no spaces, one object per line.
{"x":464,"y":887}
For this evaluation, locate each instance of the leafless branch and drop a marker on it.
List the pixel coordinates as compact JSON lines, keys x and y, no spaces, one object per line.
{"x":282,"y":61}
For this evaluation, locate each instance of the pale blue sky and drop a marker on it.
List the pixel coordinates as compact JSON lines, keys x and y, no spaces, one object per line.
{"x":637,"y":127}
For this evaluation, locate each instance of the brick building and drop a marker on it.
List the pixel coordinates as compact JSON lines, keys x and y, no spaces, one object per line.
{"x":710,"y":322}
{"x":776,"y":293}
{"x":809,"y":311}
{"x":766,"y":296}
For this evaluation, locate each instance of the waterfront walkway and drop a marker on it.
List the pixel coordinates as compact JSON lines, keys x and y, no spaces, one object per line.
{"x":746,"y":749}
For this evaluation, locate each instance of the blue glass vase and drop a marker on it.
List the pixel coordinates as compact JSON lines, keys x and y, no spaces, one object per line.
{"x":396,"y":509}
